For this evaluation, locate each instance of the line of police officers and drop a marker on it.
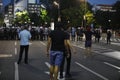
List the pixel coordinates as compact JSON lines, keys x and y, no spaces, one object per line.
{"x":11,"y":33}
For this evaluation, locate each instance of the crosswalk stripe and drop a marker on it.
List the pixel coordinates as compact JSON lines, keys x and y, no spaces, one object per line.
{"x":5,"y":55}
{"x":115,"y":40}
{"x":104,"y":51}
{"x":114,"y":54}
{"x":118,"y":39}
{"x":118,"y":44}
{"x":105,"y":39}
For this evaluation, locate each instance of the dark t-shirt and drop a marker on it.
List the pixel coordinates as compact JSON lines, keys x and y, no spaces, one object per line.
{"x":58,"y":37}
{"x":88,"y":35}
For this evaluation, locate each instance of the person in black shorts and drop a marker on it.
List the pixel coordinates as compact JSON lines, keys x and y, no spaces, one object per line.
{"x":57,"y":41}
{"x":88,"y":41}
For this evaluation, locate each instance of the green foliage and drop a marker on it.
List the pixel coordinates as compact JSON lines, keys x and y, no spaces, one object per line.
{"x":75,"y":15}
{"x":116,"y":16}
{"x":22,"y":17}
{"x":72,"y":15}
{"x":1,"y":19}
{"x":89,"y":16}
{"x":44,"y":16}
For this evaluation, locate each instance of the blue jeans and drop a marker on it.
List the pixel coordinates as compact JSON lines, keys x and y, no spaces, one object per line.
{"x":56,"y":57}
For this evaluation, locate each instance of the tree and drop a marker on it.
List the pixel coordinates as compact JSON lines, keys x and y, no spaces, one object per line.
{"x":70,"y":10}
{"x":44,"y":16}
{"x":89,"y":17}
{"x":75,"y":13}
{"x":22,"y":17}
{"x":34,"y":18}
{"x":1,"y":19}
{"x":109,"y":19}
{"x":116,"y":18}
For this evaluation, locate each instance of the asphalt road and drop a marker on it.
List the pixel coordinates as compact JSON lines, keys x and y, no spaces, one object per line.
{"x":103,"y":65}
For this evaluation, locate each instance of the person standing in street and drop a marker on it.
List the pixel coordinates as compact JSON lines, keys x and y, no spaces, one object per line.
{"x":57,"y":41}
{"x":24,"y":36}
{"x":67,"y":56}
{"x":97,"y":35}
{"x":88,"y":41}
{"x":109,"y":34}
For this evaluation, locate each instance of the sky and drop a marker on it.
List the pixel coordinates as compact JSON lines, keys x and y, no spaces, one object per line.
{"x":93,"y":2}
{"x":5,"y":2}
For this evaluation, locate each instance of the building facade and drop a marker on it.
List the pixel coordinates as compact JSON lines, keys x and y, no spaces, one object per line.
{"x":32,"y":6}
{"x":1,"y":6}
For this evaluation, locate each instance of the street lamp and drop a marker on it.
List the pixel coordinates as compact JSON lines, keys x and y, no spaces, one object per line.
{"x":109,"y":22}
{"x":58,"y":5}
{"x":84,"y":13}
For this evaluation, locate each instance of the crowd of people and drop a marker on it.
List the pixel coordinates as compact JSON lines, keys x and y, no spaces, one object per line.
{"x":11,"y":33}
{"x":41,"y":33}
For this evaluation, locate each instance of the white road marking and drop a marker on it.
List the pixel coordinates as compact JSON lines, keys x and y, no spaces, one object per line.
{"x":16,"y":71}
{"x":112,"y":65}
{"x":0,"y":73}
{"x":47,"y":72}
{"x":79,"y":46}
{"x":100,"y":76}
{"x":115,"y":54}
{"x":43,"y":43}
{"x":30,"y":43}
{"x":105,"y":39}
{"x":15,"y":43}
{"x":118,"y":44}
{"x":15,"y":51}
{"x":118,"y":39}
{"x":48,"y":65}
{"x":115,"y":40}
{"x":5,"y":55}
{"x":16,"y":65}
